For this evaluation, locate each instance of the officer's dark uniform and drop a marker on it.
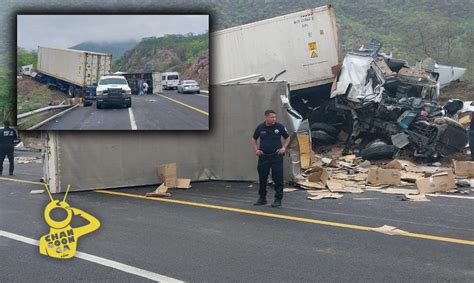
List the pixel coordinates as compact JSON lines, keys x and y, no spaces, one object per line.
{"x":471,"y":137}
{"x":270,"y":142}
{"x":8,"y":138}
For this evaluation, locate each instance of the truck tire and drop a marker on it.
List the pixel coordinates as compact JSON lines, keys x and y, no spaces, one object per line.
{"x":77,"y":92}
{"x":98,"y":105}
{"x":325,"y":127}
{"x":129,"y":104}
{"x":379,"y":151}
{"x":321,"y":137}
{"x":87,"y":102}
{"x":70,"y":91}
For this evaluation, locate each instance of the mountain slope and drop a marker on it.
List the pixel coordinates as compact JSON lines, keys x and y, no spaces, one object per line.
{"x":117,"y":49}
{"x":186,"y":54}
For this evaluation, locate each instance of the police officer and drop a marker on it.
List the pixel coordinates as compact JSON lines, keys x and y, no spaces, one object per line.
{"x":471,"y":136}
{"x":270,"y":156}
{"x":8,"y":138}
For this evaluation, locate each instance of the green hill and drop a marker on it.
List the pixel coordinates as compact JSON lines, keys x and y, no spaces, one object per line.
{"x":167,"y":53}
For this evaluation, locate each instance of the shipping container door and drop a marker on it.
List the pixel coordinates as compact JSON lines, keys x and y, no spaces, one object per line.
{"x":91,"y":65}
{"x":157,"y":88}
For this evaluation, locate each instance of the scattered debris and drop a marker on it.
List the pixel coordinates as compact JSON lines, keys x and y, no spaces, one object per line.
{"x":161,"y":191}
{"x":400,"y":191}
{"x":412,"y":197}
{"x":289,"y":190}
{"x":381,"y":97}
{"x":463,"y":183}
{"x":167,"y":173}
{"x":389,"y":230}
{"x":324,"y":195}
{"x":27,"y":160}
{"x":36,"y":192}
{"x":464,"y":168}
{"x":439,"y":182}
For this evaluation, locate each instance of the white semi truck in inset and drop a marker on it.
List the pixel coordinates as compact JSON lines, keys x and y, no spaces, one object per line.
{"x":75,"y":72}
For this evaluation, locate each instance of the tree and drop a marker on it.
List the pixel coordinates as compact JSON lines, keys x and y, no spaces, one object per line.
{"x":7,"y":97}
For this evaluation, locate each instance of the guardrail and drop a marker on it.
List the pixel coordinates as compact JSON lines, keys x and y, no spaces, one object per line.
{"x":44,"y":109}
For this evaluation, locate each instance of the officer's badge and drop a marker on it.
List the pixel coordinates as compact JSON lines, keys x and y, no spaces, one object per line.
{"x":276,"y":131}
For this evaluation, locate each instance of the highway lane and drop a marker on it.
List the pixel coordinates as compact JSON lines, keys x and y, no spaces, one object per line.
{"x":167,"y":111}
{"x":207,"y":234}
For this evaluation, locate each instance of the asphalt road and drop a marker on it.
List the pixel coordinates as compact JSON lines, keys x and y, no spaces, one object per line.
{"x":197,"y":238}
{"x":167,"y":111}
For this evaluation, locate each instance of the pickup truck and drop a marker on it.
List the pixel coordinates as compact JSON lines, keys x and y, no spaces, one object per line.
{"x":113,"y":90}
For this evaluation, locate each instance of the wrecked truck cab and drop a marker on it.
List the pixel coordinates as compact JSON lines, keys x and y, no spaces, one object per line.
{"x":385,"y":98}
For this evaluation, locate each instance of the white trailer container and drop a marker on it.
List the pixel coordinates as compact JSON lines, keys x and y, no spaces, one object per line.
{"x":113,"y":159}
{"x":77,"y":68}
{"x":305,"y":44}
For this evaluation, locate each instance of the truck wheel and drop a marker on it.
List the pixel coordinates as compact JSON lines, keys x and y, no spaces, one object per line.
{"x":129,"y":104}
{"x":98,"y":105}
{"x":322,"y":137}
{"x":77,"y":92}
{"x":379,"y":151}
{"x":70,"y":91}
{"x":325,"y":127}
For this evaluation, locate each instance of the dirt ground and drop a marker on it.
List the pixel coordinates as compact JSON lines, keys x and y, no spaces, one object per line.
{"x":463,"y":90}
{"x":32,"y":94}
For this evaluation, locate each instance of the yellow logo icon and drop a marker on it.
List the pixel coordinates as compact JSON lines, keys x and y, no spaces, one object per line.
{"x":61,"y":241}
{"x":314,"y":55}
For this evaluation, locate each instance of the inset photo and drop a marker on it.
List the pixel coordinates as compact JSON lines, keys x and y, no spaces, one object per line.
{"x":112,"y":72}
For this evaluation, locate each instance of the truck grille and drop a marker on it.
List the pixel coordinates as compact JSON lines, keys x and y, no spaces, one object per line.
{"x":115,"y":92}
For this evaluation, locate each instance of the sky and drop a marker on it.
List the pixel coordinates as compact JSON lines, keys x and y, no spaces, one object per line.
{"x":63,"y":31}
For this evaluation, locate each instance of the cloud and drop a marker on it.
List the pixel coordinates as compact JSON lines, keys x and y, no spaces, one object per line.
{"x":63,"y":31}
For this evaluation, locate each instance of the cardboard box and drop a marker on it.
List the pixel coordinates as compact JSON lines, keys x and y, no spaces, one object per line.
{"x":161,"y":191}
{"x":439,"y":182}
{"x":465,"y":118}
{"x":305,"y":149}
{"x":183,"y":183}
{"x":167,"y":173}
{"x":464,"y":168}
{"x":394,"y":164}
{"x":318,"y":174}
{"x":379,"y":176}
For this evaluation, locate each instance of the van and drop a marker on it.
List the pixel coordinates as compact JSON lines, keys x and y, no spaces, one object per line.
{"x":170,"y":80}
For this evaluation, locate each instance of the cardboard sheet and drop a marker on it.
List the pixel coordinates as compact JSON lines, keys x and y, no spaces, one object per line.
{"x":440,"y":182}
{"x":380,"y":176}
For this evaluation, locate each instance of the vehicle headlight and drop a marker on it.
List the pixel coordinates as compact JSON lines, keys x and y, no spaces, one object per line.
{"x":128,"y":91}
{"x":99,"y":92}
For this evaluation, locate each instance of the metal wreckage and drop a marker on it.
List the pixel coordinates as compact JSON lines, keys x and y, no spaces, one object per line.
{"x":377,"y":97}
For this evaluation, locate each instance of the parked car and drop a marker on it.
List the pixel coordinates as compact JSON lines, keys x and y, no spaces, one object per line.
{"x":113,"y":90}
{"x":188,"y":86}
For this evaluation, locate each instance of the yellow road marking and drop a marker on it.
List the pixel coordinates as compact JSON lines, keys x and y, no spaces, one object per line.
{"x":288,"y":217}
{"x":186,"y":105}
{"x":21,"y":181}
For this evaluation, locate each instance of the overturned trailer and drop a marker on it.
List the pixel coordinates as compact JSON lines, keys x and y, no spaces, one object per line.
{"x":93,"y":160}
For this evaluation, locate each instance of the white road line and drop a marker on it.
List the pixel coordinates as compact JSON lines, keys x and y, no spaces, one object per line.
{"x":207,"y":96}
{"x":450,"y":196}
{"x":133,"y":123}
{"x":99,"y":260}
